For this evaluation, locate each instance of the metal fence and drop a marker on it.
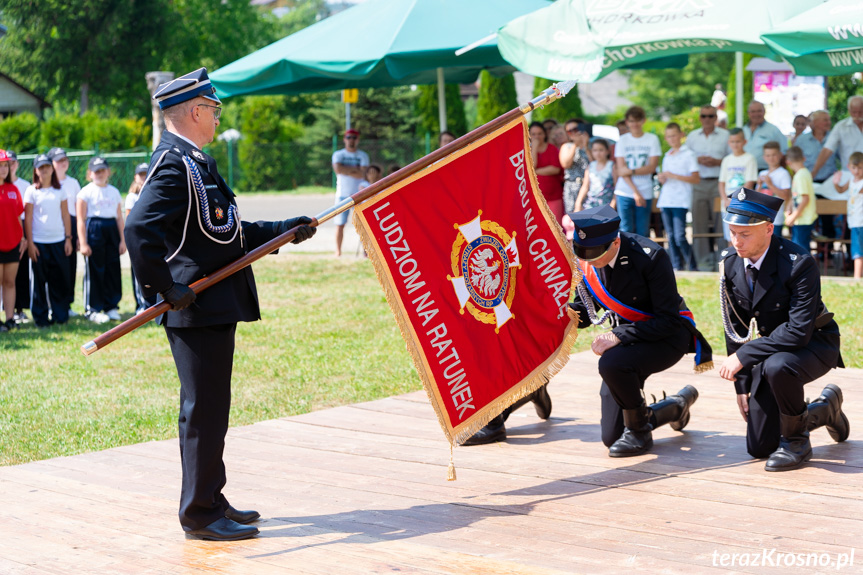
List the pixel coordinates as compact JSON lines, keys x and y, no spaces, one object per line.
{"x":250,"y":166}
{"x":122,"y":165}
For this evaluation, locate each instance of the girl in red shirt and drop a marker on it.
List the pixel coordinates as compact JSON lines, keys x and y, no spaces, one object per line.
{"x":12,"y":244}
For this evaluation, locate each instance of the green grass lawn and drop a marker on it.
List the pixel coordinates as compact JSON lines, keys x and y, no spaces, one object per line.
{"x":327,"y":338}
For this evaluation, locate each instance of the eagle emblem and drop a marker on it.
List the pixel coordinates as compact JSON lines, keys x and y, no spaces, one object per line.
{"x":741,"y":196}
{"x":198,"y":155}
{"x":581,"y":234}
{"x":484,"y":260}
{"x":793,"y":257}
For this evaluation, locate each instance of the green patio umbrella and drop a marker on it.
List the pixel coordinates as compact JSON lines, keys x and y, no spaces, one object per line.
{"x":380,"y":43}
{"x":584,"y":40}
{"x":826,"y":40}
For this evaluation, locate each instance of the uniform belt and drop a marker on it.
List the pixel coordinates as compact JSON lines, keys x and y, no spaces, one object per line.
{"x":702,"y":179}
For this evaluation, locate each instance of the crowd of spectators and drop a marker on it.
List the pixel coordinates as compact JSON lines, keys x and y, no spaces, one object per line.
{"x":699,"y":172}
{"x":45,"y":224}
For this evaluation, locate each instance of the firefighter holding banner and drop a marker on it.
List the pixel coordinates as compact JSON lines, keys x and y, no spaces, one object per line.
{"x":632,"y":279}
{"x":186,"y":225}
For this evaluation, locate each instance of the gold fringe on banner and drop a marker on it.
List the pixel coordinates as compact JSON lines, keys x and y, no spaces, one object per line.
{"x":539,"y":376}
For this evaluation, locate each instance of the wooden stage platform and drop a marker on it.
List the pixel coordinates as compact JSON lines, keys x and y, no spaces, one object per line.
{"x":362,"y":489}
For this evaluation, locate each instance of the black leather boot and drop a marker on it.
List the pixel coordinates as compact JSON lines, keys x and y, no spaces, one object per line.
{"x":794,"y":447}
{"x":674,"y":409}
{"x":637,"y":437}
{"x":493,"y":432}
{"x":542,"y":402}
{"x":826,"y":411}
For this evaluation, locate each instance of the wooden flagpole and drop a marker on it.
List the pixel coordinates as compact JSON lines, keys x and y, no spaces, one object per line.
{"x":549,"y":95}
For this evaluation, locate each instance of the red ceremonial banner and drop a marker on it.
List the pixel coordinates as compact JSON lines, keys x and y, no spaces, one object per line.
{"x":478,"y":274}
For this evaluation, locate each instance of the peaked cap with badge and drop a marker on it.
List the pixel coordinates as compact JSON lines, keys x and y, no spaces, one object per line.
{"x":595,"y":229}
{"x":185,"y":88}
{"x":751,"y":208}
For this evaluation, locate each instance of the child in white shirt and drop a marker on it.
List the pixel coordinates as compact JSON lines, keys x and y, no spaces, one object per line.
{"x":100,"y":234}
{"x":775,"y":181}
{"x":854,"y":188}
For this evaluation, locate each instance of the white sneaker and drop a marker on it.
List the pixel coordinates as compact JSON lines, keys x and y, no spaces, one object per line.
{"x":113,"y":314}
{"x":98,"y":317}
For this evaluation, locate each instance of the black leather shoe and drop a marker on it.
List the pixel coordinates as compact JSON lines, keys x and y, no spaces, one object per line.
{"x":637,"y":437}
{"x":542,"y":402}
{"x":243,"y":517}
{"x":223,"y":529}
{"x":794,"y":447}
{"x":674,"y":409}
{"x":826,"y":411}
{"x":492,"y":433}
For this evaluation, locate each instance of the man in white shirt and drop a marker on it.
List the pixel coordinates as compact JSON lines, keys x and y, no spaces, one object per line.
{"x":758,"y":132}
{"x":350,"y":165}
{"x":846,"y":137}
{"x":709,"y":144}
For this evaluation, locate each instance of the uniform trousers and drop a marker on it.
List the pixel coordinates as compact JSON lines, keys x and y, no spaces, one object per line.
{"x":625,"y":368}
{"x":73,"y":259}
{"x":49,"y":280}
{"x":102,"y":286}
{"x":704,"y":218}
{"x":777,"y":387}
{"x":204,"y":358}
{"x":22,"y":283}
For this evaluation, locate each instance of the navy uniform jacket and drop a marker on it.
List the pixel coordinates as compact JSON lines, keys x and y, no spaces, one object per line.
{"x":171,"y":238}
{"x":643,"y":278}
{"x":786,"y":303}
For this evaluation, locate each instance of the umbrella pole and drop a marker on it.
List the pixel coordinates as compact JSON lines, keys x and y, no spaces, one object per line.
{"x":441,"y":100}
{"x":545,"y":97}
{"x":738,"y":86}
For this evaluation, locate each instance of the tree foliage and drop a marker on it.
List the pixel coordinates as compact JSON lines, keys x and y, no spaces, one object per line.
{"x":20,"y":132}
{"x":664,"y":93}
{"x":265,"y":128}
{"x":98,"y":51}
{"x":427,"y":110}
{"x":212,"y":34}
{"x":561,"y":110}
{"x":496,"y":97}
{"x":304,"y":14}
{"x":90,"y":50}
{"x":839,"y":89}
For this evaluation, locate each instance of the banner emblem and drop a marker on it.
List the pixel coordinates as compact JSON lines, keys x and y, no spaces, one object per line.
{"x":486,"y":258}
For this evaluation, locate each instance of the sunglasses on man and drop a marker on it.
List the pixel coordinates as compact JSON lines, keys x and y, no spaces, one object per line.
{"x":708,"y":115}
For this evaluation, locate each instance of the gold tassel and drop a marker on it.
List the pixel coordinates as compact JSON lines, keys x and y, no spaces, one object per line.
{"x":704,"y":367}
{"x":450,"y":471}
